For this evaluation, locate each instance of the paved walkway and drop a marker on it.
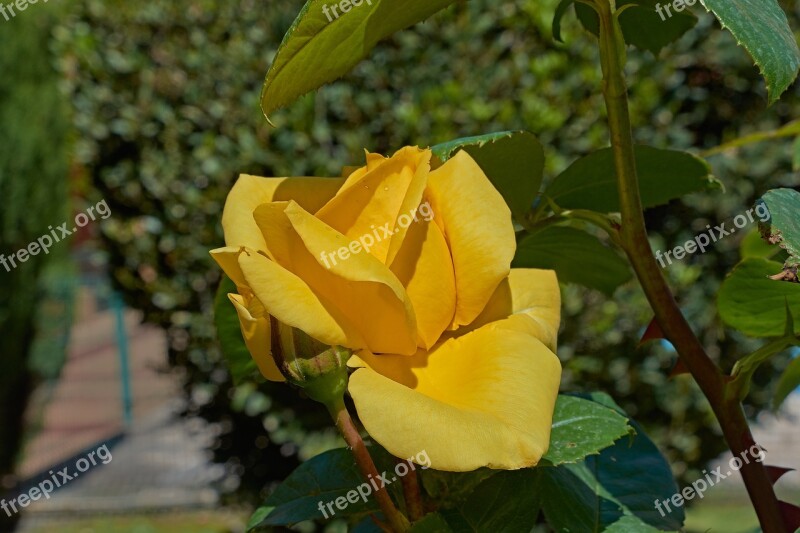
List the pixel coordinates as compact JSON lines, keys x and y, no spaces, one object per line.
{"x":85,"y":406}
{"x":159,"y":462}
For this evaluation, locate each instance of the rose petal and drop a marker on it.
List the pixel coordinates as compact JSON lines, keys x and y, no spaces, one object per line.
{"x":257,"y":337}
{"x":532,"y":299}
{"x":290,"y":300}
{"x":484,"y":399}
{"x":477,"y":225}
{"x":375,"y":199}
{"x":251,"y":191}
{"x":362,"y":288}
{"x":424,"y":267}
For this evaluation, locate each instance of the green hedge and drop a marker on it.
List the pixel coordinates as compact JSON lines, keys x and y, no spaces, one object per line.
{"x":166,"y":95}
{"x":33,"y":189}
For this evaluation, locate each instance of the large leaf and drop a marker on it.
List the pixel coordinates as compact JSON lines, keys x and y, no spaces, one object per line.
{"x":631,"y":476}
{"x":450,"y":489}
{"x":618,"y":487}
{"x":641,"y":24}
{"x":754,"y":304}
{"x":506,"y":502}
{"x":321,"y":47}
{"x":513,"y":161}
{"x":582,"y":427}
{"x":576,"y":256}
{"x":324,"y":478}
{"x":568,"y":503}
{"x":790,"y":380}
{"x":783,"y":226}
{"x":237,"y":356}
{"x":761,"y":27}
{"x":664,"y":175}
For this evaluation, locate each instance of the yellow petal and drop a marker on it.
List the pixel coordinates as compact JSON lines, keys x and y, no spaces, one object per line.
{"x":251,"y":191}
{"x":290,"y":300}
{"x":532,"y":300}
{"x":484,"y":399}
{"x":424,"y":267}
{"x":354,"y":174}
{"x":374,"y":200}
{"x":477,"y":226}
{"x":257,"y":337}
{"x":361,"y":288}
{"x":228,"y":260}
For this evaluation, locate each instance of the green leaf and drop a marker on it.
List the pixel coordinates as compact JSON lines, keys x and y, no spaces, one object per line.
{"x":568,"y":503}
{"x":630,"y":476}
{"x":432,"y":523}
{"x":664,"y":175}
{"x":576,"y":256}
{"x":641,"y":24}
{"x":506,"y":502}
{"x":561,"y":10}
{"x":513,"y":161}
{"x":449,"y":489}
{"x":754,"y":246}
{"x":582,"y":427}
{"x":790,"y":380}
{"x":754,"y":304}
{"x":620,"y":485}
{"x":783,"y":226}
{"x":630,"y":524}
{"x":320,"y":47}
{"x":239,"y":361}
{"x":324,"y":478}
{"x":745,"y":367}
{"x":258,"y":517}
{"x":761,"y":27}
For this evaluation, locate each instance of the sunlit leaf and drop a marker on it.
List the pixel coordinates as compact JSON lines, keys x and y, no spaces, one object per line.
{"x":783,"y":226}
{"x":324,"y":43}
{"x":755,"y":304}
{"x":762,"y":28}
{"x":582,"y":427}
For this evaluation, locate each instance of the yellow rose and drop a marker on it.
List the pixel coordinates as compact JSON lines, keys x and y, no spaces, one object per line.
{"x":410,"y":268}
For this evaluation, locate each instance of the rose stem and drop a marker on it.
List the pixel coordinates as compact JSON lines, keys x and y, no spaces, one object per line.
{"x":352,"y":437}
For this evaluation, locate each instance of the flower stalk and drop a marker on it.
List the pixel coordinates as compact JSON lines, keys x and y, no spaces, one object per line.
{"x":397,"y":521}
{"x":413,"y":495}
{"x":634,"y":241}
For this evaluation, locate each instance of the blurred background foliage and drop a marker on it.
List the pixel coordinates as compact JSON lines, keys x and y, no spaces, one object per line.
{"x":165,"y":105}
{"x":35,"y":297}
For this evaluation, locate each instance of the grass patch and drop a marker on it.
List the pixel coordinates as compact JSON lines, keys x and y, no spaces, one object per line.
{"x":198,"y":522}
